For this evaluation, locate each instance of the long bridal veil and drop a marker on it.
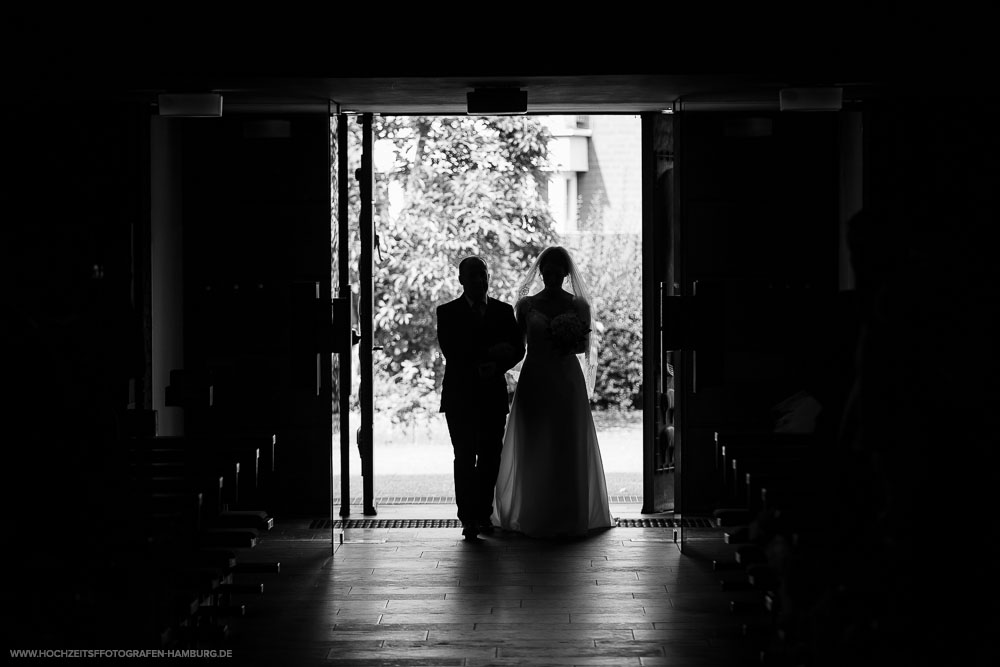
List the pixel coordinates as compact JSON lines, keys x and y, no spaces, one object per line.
{"x":577,"y":286}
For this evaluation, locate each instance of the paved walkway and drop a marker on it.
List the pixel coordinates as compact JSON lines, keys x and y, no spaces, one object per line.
{"x":418,"y":464}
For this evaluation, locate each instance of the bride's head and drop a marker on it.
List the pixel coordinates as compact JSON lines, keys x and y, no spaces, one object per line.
{"x":554,"y":265}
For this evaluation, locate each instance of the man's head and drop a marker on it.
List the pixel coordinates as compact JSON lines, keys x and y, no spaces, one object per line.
{"x":474,"y":276}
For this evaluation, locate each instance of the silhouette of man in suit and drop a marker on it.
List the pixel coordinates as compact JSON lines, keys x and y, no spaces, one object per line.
{"x":480,"y":341}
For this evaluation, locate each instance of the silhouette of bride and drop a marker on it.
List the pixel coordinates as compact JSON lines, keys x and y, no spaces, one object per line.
{"x":551,"y":481}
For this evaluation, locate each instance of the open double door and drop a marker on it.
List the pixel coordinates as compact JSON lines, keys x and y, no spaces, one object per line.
{"x":659,"y":439}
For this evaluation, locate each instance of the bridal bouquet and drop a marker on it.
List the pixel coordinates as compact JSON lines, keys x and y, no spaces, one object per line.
{"x":568,"y":332}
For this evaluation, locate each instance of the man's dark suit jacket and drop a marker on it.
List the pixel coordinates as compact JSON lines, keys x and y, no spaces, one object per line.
{"x":465,"y":342}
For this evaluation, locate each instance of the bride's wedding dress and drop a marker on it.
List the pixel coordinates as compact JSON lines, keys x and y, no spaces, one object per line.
{"x":551,"y":481}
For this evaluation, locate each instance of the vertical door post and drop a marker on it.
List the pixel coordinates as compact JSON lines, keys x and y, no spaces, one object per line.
{"x":366,"y":313}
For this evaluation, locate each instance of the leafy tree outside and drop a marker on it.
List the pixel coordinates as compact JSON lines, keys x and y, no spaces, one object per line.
{"x":609,"y":264}
{"x":475,"y":186}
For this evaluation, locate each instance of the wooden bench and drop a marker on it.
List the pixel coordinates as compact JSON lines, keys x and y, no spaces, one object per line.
{"x":730,"y":445}
{"x":239,"y":460}
{"x":775,"y":497}
{"x":188,"y":520}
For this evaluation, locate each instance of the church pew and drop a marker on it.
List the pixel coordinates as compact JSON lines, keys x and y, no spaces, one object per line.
{"x":791,"y":485}
{"x":733,"y":440}
{"x":777,"y":518}
{"x":250,"y":461}
{"x":198,"y":540}
{"x":749,"y":470}
{"x":171,"y":477}
{"x":731,"y":495}
{"x":226,"y":521}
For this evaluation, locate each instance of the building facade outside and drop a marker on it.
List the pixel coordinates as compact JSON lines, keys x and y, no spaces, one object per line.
{"x":595,"y":185}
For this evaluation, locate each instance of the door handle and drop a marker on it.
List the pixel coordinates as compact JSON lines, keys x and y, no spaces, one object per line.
{"x":338,"y":335}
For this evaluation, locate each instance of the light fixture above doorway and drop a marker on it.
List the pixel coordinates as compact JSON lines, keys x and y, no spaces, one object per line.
{"x":190,"y":105}
{"x":497,"y":102}
{"x":811,"y":99}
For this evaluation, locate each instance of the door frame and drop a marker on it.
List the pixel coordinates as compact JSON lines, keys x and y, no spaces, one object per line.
{"x":653,"y":264}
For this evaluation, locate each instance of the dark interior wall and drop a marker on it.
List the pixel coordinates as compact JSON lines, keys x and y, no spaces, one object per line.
{"x":760,"y":195}
{"x":166,"y":269}
{"x":257,"y":263}
{"x":78,"y":249}
{"x":74,"y":201}
{"x":851,"y":177}
{"x":920,"y":439}
{"x":915,"y":457}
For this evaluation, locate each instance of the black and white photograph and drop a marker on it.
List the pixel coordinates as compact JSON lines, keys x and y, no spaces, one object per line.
{"x":452,"y":336}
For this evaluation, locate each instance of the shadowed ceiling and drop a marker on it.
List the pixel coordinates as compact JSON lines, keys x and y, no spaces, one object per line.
{"x":410,"y":63}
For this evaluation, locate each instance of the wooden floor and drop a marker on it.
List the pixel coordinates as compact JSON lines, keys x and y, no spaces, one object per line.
{"x":424,"y":596}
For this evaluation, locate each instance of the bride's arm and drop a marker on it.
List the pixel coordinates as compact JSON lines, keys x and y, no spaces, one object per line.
{"x":518,"y":333}
{"x":583,"y":312}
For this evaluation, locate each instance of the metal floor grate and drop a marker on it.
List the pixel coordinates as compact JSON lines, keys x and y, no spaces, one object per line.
{"x":320,"y":524}
{"x":690,"y":522}
{"x":450,"y":500}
